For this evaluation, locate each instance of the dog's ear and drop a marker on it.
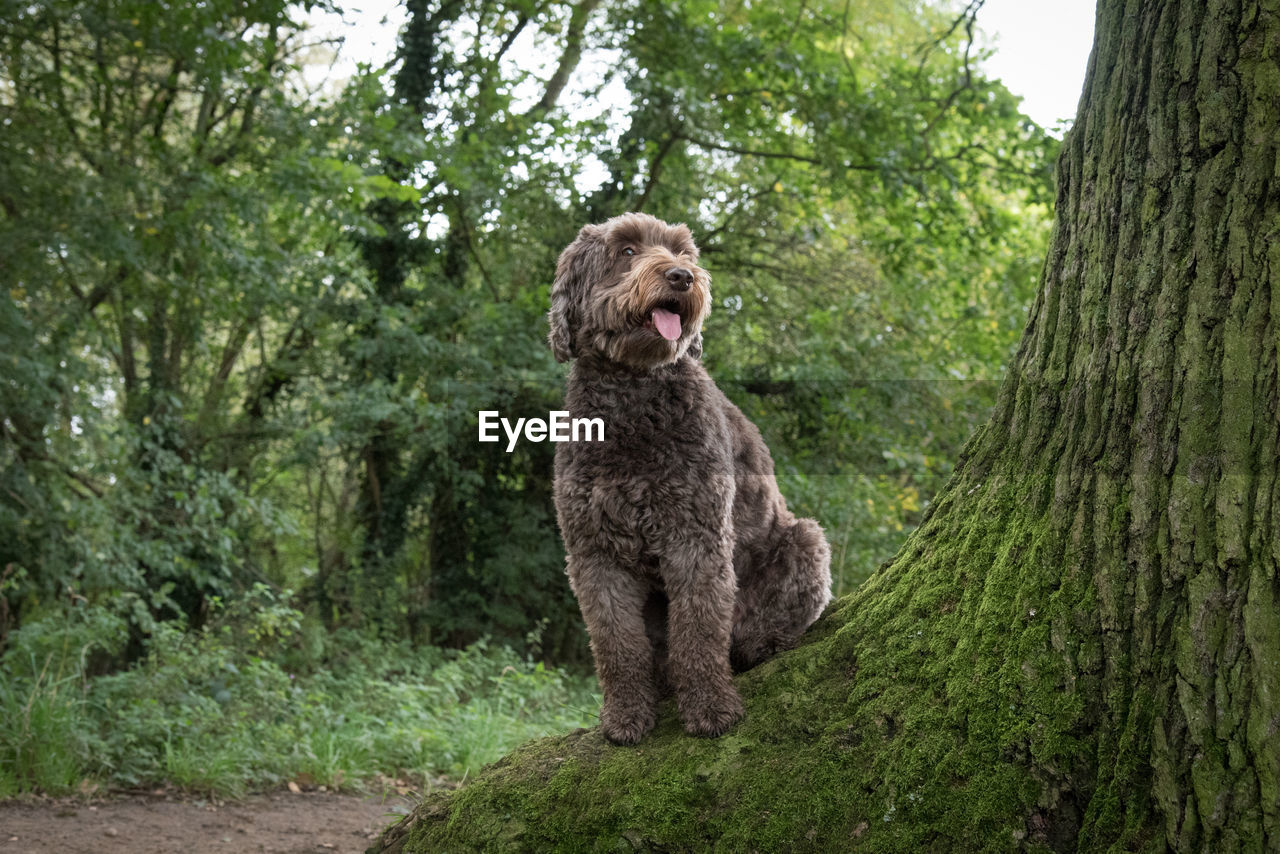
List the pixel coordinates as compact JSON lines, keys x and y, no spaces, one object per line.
{"x":574,"y":271}
{"x":563,"y":317}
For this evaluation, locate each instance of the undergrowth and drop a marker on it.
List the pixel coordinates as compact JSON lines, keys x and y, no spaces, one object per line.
{"x":259,"y":699}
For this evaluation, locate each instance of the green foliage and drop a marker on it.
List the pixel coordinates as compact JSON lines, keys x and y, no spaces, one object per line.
{"x":42,"y":741}
{"x":244,"y":704}
{"x":156,"y":170}
{"x":247,"y":328}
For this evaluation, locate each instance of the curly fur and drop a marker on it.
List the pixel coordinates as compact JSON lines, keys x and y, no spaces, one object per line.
{"x":685,"y":560}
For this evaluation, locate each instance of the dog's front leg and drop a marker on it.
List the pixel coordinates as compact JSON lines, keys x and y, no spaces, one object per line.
{"x":700,"y":589}
{"x":612,"y":602}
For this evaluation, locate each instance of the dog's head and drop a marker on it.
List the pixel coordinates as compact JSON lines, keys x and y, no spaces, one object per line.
{"x":630,"y":289}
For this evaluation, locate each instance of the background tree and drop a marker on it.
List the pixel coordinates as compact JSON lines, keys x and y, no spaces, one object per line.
{"x":169,"y":270}
{"x":248,"y":322}
{"x":754,"y":132}
{"x":1077,"y":648}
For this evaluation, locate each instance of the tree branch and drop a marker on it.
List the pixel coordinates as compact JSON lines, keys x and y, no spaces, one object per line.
{"x":771,"y":155}
{"x":66,"y":469}
{"x":654,"y":170}
{"x":106,"y":101}
{"x":569,"y":59}
{"x":103,"y":289}
{"x":968,"y":18}
{"x":250,"y":107}
{"x":61,"y":106}
{"x":465,"y":229}
{"x":161,"y":100}
{"x":230,"y":355}
{"x":748,"y":152}
{"x":279,"y":372}
{"x":521,"y":23}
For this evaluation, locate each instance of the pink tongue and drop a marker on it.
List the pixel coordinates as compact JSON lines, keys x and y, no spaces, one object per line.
{"x":667,"y":323}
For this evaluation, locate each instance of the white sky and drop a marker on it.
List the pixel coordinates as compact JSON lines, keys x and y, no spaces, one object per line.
{"x":1041,"y":47}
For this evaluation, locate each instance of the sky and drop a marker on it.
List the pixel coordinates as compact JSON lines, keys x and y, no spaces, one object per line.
{"x":1041,"y":47}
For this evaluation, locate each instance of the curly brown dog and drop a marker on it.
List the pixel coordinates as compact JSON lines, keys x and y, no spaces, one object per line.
{"x":682,"y":552}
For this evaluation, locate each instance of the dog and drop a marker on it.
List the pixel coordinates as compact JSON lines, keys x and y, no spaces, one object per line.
{"x":686,"y":563}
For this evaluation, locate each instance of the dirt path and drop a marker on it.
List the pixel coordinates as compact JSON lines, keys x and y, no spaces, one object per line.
{"x":281,"y":822}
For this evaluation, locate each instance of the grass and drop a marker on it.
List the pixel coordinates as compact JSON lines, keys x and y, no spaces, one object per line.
{"x":212,"y":712}
{"x":41,"y":743}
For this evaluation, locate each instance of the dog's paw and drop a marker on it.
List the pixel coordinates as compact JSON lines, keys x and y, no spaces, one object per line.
{"x":715,"y":716}
{"x":625,"y":728}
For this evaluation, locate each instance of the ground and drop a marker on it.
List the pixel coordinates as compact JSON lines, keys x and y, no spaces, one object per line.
{"x":282,"y":822}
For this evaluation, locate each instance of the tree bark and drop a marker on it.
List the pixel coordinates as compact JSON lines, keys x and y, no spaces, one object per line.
{"x":1079,"y":648}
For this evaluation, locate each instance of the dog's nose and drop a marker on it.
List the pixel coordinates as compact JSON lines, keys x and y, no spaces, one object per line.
{"x":679,"y":278}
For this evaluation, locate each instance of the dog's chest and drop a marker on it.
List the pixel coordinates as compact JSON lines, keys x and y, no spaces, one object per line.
{"x":666,"y":459}
{"x":657,"y":430}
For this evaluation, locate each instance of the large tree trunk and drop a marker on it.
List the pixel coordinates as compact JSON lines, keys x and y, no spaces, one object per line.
{"x":1080,"y":646}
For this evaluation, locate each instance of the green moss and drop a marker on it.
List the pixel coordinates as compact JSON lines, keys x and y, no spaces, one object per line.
{"x":920,"y":713}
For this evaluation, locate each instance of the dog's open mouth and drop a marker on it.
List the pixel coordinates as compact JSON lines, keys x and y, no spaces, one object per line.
{"x":665,"y":319}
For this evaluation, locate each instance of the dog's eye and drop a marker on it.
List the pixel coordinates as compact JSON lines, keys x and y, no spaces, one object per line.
{"x":628,"y":251}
